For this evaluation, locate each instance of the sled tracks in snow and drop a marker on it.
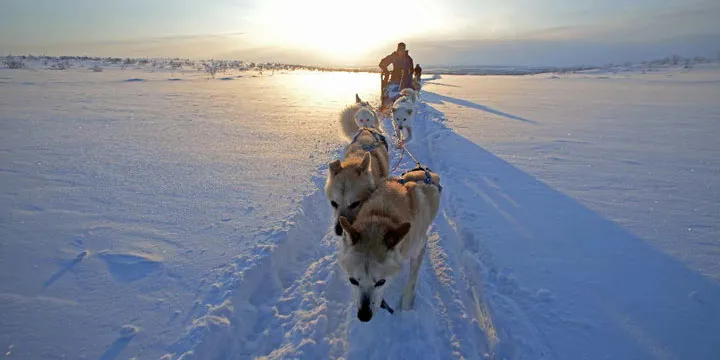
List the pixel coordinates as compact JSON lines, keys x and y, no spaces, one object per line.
{"x":288,"y":298}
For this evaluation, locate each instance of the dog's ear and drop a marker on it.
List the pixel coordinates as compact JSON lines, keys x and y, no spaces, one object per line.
{"x":365,"y":164}
{"x":357,"y":99}
{"x":394,"y":236}
{"x":352,"y":233}
{"x":335,"y":167}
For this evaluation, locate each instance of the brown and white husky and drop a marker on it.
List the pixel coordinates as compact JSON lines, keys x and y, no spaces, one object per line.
{"x":364,"y":165}
{"x":389,"y":230}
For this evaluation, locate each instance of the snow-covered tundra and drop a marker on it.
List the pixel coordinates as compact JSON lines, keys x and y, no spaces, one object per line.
{"x":166,"y":213}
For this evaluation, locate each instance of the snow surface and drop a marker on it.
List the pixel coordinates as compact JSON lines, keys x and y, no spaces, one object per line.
{"x":169,"y":215}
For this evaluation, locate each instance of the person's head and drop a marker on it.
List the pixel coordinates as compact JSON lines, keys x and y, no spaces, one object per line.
{"x":401,"y":48}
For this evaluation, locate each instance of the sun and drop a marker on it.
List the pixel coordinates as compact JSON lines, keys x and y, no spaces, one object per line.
{"x":339,"y":31}
{"x":342,"y":31}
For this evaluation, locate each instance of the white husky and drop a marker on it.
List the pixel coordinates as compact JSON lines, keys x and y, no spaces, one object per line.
{"x":403,"y":110}
{"x":362,"y":115}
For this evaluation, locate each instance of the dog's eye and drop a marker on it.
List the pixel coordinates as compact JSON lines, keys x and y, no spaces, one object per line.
{"x":380,"y":283}
{"x":334,"y":204}
{"x":354,"y":282}
{"x":354,"y":205}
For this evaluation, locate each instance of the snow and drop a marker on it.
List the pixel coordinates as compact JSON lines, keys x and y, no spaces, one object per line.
{"x":165,"y":214}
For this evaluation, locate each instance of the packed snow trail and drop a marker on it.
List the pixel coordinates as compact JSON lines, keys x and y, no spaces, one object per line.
{"x":514,"y":270}
{"x":291,"y":299}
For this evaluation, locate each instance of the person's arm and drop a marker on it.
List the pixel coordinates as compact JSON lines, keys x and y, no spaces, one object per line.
{"x":385,"y":62}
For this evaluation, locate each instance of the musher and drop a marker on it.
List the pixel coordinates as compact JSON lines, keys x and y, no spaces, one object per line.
{"x":402,"y":68}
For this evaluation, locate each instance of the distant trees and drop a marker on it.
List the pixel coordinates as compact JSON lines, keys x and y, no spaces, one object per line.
{"x":211,"y":68}
{"x":60,"y":65}
{"x":214,"y":66}
{"x":13,"y":62}
{"x":676,"y":59}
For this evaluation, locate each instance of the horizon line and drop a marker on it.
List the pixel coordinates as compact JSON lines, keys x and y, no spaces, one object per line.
{"x":366,"y":67}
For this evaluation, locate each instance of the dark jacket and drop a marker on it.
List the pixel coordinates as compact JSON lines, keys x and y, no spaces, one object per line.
{"x":402,"y":68}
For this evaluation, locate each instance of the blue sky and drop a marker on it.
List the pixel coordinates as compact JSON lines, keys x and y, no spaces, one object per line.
{"x":456,"y":32}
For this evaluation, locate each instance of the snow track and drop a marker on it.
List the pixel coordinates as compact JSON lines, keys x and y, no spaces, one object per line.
{"x":459,"y":231}
{"x":288,"y":298}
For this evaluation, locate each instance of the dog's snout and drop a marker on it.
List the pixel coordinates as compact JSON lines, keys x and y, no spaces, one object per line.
{"x":338,"y":229}
{"x":364,"y":314}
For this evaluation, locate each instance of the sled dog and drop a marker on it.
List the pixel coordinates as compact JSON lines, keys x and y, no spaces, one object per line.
{"x":358,"y":115}
{"x":389,"y":230}
{"x":417,"y":75}
{"x":364,"y":165}
{"x":403,"y":110}
{"x":417,"y":85}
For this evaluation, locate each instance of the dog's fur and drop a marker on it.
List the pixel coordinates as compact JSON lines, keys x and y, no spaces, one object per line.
{"x":390,"y":229}
{"x":403,"y":111}
{"x":351,"y":181}
{"x":356,"y":116}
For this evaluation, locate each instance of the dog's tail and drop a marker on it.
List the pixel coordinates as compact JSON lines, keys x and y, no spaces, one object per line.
{"x":348,"y":126}
{"x":409,"y":92}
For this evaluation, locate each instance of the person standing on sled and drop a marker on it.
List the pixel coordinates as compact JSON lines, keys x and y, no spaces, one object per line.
{"x":401,"y":75}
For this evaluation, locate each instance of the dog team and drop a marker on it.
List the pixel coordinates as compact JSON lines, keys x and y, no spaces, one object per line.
{"x":382,"y":221}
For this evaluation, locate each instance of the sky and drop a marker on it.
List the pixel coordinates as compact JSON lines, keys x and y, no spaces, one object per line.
{"x":359,"y":33}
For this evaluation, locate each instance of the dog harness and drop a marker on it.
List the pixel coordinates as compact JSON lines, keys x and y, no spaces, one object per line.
{"x":427,"y":180}
{"x":379,"y":138}
{"x":384,"y":305}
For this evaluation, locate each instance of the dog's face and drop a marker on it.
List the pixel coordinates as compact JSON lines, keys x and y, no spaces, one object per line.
{"x":369,"y":258}
{"x":402,"y":116}
{"x":365,"y":118}
{"x":347,"y":188}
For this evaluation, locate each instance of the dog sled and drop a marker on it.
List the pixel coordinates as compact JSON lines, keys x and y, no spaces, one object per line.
{"x":390,"y":92}
{"x":364,"y":173}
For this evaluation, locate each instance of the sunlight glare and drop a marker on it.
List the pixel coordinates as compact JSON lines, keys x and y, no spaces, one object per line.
{"x":343,"y":30}
{"x":335,"y":88}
